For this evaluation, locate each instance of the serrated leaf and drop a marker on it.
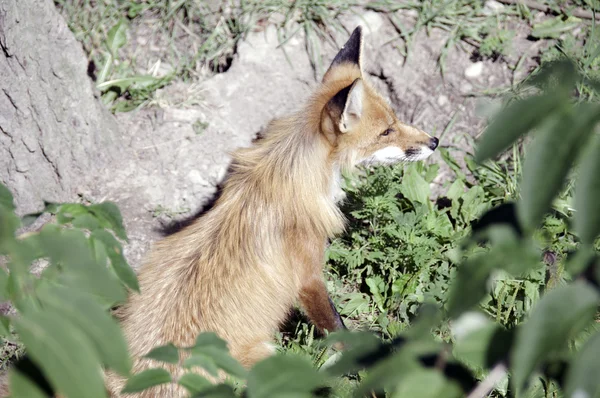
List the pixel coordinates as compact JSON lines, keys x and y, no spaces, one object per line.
{"x":117,"y":260}
{"x":92,"y":320}
{"x":587,"y":192}
{"x":21,"y":386}
{"x":109,"y":216}
{"x":514,"y":121}
{"x":117,"y":37}
{"x":280,"y":375}
{"x":194,"y":383}
{"x":550,"y":157}
{"x":582,"y":376}
{"x":146,"y":379}
{"x":64,"y":354}
{"x":545,"y":332}
{"x":166,"y":353}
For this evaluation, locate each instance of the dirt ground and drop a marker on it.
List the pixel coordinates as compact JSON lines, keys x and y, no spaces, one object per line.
{"x":177,"y":148}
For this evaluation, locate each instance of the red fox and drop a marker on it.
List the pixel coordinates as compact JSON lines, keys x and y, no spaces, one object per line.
{"x":239,"y":269}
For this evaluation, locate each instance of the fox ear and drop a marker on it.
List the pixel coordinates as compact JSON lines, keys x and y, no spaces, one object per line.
{"x":348,"y":104}
{"x":351,"y":52}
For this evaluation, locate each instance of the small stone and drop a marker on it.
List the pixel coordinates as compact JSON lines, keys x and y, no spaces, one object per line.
{"x":196,"y":178}
{"x":442,"y":100}
{"x":492,"y":7}
{"x":474,"y":70}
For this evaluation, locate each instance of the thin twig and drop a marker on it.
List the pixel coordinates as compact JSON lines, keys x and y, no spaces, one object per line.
{"x":577,"y":12}
{"x":487,"y":385}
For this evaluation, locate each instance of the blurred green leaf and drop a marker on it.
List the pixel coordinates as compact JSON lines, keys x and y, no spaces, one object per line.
{"x":514,"y":121}
{"x":117,"y":260}
{"x":21,"y":386}
{"x":117,"y":37}
{"x":469,"y":287}
{"x":553,"y":28}
{"x":146,"y":379}
{"x":109,"y":216}
{"x":587,"y":194}
{"x":72,"y":250}
{"x":559,"y":316}
{"x":203,"y":361}
{"x":194,"y":383}
{"x":92,"y":320}
{"x":550,"y":156}
{"x":165,"y":353}
{"x":582,"y":375}
{"x":222,"y":359}
{"x":426,"y":383}
{"x":64,"y":354}
{"x":281,"y":375}
{"x":6,"y":198}
{"x":210,"y":339}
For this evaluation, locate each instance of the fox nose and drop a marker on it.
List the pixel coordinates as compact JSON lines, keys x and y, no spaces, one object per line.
{"x":433,"y":143}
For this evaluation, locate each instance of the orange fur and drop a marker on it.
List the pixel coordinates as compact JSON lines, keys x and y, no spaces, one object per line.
{"x":239,"y":268}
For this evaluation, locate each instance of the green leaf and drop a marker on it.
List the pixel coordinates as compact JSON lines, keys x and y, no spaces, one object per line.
{"x":206,"y":339}
{"x":194,"y":383}
{"x":86,"y":221}
{"x":9,"y":223}
{"x":6,"y":198}
{"x":222,"y":359}
{"x":553,"y":28}
{"x":166,"y":353}
{"x":71,"y":250}
{"x":64,"y":354}
{"x":117,"y":37}
{"x":203,"y":361}
{"x":550,"y":157}
{"x":92,"y":320}
{"x":21,"y":386}
{"x":514,"y":121}
{"x":117,"y":260}
{"x":218,"y":391}
{"x":469,"y":287}
{"x":68,"y":211}
{"x":425,"y":383}
{"x":414,"y":187}
{"x":109,"y":216}
{"x":559,"y":316}
{"x":280,"y":375}
{"x":146,"y":379}
{"x":587,"y":192}
{"x":483,"y":347}
{"x":582,"y":375}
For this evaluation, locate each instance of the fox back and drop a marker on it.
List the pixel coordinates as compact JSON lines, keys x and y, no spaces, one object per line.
{"x":239,"y":269}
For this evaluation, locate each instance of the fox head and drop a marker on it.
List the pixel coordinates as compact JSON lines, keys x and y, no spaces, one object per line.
{"x":360,"y":125}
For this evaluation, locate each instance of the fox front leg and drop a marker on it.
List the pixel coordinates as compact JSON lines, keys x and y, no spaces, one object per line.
{"x":318,"y":306}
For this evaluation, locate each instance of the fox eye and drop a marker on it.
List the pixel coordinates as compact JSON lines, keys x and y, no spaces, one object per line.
{"x":387,"y":132}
